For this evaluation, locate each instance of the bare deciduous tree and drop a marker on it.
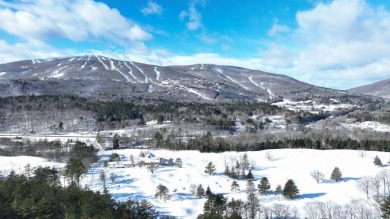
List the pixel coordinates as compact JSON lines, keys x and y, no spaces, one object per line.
{"x":317,"y":175}
{"x":193,"y":189}
{"x":364,"y":185}
{"x":375,"y":185}
{"x":269,"y":156}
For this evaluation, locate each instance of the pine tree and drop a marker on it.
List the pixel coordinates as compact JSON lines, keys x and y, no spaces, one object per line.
{"x":377,"y":161}
{"x":210,"y":168}
{"x":250,"y":176}
{"x":264,"y":186}
{"x":227,"y":171}
{"x":200,"y":191}
{"x":245,"y":161}
{"x":162,"y":192}
{"x":115,"y":141}
{"x":278,"y":190}
{"x":233,"y":174}
{"x":336,"y":175}
{"x":235,"y":186}
{"x":208,"y":191}
{"x":385,"y":208}
{"x":290,"y":190}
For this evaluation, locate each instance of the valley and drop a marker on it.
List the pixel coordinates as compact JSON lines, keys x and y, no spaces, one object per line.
{"x":199,"y":113}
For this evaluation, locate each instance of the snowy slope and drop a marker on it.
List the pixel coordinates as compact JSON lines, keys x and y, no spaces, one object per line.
{"x":97,"y":74}
{"x":380,"y":89}
{"x":296,"y":164}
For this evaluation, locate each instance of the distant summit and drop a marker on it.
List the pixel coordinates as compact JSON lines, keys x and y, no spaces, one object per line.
{"x":380,"y":89}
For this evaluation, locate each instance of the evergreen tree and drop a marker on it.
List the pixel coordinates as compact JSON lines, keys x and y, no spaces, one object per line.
{"x":74,"y":169}
{"x":234,"y":209}
{"x":162,"y":192}
{"x":233,"y":174}
{"x":208,"y":191}
{"x":264,"y":186}
{"x":214,"y":207}
{"x":115,"y":141}
{"x":210,"y":168}
{"x":336,"y":175}
{"x":227,"y":171}
{"x":278,"y":190}
{"x":245,"y":161}
{"x":385,"y":208}
{"x":235,"y":186}
{"x":290,"y":190}
{"x":377,"y":161}
{"x":200,"y":191}
{"x":159,"y":139}
{"x":250,"y":176}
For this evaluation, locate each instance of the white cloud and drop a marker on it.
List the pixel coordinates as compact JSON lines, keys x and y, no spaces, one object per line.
{"x":278,"y":29}
{"x":29,"y":50}
{"x":81,"y":20}
{"x":206,"y":38}
{"x":152,"y":8}
{"x":194,"y":21}
{"x":339,"y":44}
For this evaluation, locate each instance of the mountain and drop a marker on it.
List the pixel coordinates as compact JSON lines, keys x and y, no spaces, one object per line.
{"x":95,"y":76}
{"x":380,"y":89}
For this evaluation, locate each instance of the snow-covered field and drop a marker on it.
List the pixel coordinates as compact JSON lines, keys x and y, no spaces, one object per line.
{"x":284,"y":164}
{"x":372,"y":125}
{"x":313,"y":107}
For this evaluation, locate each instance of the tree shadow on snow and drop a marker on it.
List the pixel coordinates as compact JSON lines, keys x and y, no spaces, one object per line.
{"x":124,"y":181}
{"x":312,"y":195}
{"x":125,"y":196}
{"x":346,"y":179}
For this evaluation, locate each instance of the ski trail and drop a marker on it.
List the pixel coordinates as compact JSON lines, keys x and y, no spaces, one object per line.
{"x":218,"y":91}
{"x":236,"y":82}
{"x":124,"y":75}
{"x":157,"y":74}
{"x":59,"y":64}
{"x":85,"y":63}
{"x":150,"y":88}
{"x":105,"y":66}
{"x":71,"y":59}
{"x":139,"y":69}
{"x":36,"y":61}
{"x":119,"y":71}
{"x":60,"y":72}
{"x":219,"y":70}
{"x":112,"y":64}
{"x":198,"y":93}
{"x":131,"y":72}
{"x":261,"y":86}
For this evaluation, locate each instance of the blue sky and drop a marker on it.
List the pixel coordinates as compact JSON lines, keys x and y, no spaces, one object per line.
{"x":333,"y":43}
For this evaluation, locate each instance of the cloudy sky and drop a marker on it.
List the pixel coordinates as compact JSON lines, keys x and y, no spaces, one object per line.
{"x":338,"y":44}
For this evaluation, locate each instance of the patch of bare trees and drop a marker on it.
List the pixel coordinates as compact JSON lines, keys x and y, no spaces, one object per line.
{"x":355,"y":209}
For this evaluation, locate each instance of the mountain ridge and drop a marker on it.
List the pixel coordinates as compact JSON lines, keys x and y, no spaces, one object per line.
{"x":83,"y":76}
{"x":379,"y":89}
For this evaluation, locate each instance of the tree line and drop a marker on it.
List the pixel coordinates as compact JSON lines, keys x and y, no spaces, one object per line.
{"x":40,"y":195}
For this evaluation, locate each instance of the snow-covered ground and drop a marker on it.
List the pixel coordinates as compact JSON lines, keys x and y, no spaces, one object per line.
{"x":375,"y":126}
{"x":296,"y":164}
{"x":313,"y":107}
